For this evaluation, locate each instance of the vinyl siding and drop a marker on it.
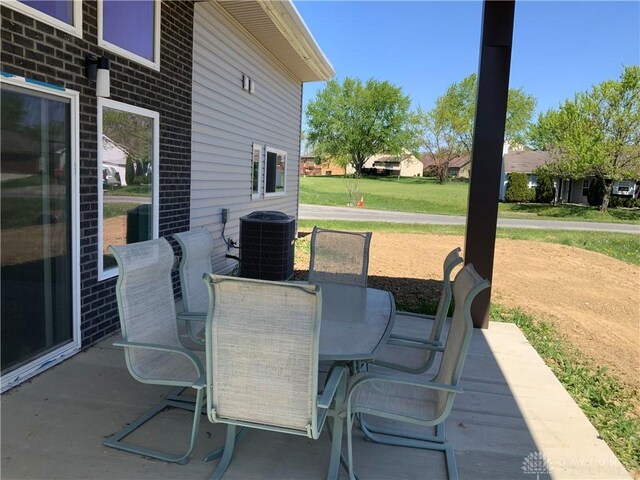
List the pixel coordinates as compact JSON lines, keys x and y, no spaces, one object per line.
{"x":227,"y":121}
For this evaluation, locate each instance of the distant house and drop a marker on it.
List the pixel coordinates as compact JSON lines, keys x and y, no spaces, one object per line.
{"x":522,"y":162}
{"x":459,"y":167}
{"x":114,"y":159}
{"x":391,"y":165}
{"x":567,"y":190}
{"x":310,"y":165}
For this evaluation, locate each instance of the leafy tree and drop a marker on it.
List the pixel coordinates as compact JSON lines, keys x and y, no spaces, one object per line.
{"x":353,"y":121}
{"x":129,"y":171}
{"x":595,"y":134}
{"x":544,"y":190}
{"x":518,"y":189}
{"x":596,"y":192}
{"x":129,"y":130}
{"x":448,"y":127}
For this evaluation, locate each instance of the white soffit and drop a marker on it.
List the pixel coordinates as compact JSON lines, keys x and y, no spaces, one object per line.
{"x":277,"y":25}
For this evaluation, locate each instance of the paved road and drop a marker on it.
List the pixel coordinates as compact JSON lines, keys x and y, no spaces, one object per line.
{"x":123,"y":199}
{"x":319,"y":212}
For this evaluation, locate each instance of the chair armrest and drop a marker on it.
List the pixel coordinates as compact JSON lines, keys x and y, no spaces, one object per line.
{"x":199,"y":316}
{"x":164,"y":348}
{"x":414,"y":339}
{"x":365,"y":377}
{"x":331,"y":386}
{"x":407,"y":342}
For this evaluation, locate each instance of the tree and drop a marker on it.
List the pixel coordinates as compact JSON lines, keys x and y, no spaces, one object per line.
{"x":545,"y":192}
{"x":353,"y":120}
{"x":518,"y":189}
{"x":129,"y":171}
{"x":448,"y":127}
{"x":595,"y":134}
{"x":132,"y":131}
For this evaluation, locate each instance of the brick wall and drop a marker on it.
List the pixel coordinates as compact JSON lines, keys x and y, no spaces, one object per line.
{"x":35,"y":50}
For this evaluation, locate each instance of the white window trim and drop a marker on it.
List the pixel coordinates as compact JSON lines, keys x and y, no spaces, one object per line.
{"x":257,"y":146}
{"x":264,"y":179}
{"x":155,"y":206}
{"x":155,"y":64}
{"x":56,"y":356}
{"x":75,"y":29}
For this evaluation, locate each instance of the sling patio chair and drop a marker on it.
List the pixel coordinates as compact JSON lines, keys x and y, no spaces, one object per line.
{"x":415,"y":338}
{"x":409,"y":398}
{"x":197,"y":248}
{"x":262,"y":343}
{"x":152,"y":348}
{"x":339,"y":257}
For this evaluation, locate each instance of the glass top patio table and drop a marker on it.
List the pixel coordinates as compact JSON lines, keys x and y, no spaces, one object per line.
{"x":356,"y":322}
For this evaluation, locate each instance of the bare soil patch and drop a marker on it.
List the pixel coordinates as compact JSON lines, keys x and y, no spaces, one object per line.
{"x":593,"y":300}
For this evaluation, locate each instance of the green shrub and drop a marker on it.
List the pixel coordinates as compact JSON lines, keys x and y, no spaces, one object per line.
{"x":625,"y":202}
{"x":129,"y":171}
{"x":518,"y":189}
{"x":595,"y":195}
{"x":544,"y":190}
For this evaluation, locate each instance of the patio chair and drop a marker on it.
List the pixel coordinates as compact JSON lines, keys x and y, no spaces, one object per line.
{"x":262,"y":362}
{"x":197,"y":248}
{"x":339,"y":257}
{"x":414,"y":400}
{"x":415,"y":338}
{"x":152,"y":348}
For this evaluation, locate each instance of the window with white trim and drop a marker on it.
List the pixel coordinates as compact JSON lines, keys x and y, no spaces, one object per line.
{"x":65,"y":15}
{"x":275,"y":172}
{"x":586,"y":183}
{"x":128,"y":160}
{"x":268,"y":172}
{"x":132,"y":29}
{"x":256,"y":171}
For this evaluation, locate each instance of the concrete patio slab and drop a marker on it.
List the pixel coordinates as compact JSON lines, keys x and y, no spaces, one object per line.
{"x":53,"y":427}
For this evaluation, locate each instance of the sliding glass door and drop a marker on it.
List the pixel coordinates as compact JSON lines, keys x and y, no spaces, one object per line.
{"x":36,"y":255}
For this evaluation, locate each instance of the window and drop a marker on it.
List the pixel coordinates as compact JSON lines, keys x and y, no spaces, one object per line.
{"x":532,"y":181}
{"x":65,"y":15}
{"x":256,"y":171}
{"x":131,"y":29}
{"x":275,"y":172}
{"x":128,"y":183}
{"x":585,"y":187}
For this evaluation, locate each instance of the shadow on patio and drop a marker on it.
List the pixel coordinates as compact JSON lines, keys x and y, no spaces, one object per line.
{"x":53,"y":426}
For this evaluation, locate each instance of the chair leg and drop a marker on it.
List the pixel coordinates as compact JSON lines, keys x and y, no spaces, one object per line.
{"x":336,"y":431}
{"x":352,"y":475}
{"x":370,"y":432}
{"x":419,"y":442}
{"x":116,"y":440}
{"x":226,"y":455}
{"x":240,"y":433}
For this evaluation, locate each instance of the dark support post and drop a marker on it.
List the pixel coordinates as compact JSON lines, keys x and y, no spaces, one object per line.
{"x":486,"y":152}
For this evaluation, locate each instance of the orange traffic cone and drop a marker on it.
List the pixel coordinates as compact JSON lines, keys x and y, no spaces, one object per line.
{"x":361,"y":202}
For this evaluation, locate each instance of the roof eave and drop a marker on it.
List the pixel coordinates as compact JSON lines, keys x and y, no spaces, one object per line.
{"x":286,"y":18}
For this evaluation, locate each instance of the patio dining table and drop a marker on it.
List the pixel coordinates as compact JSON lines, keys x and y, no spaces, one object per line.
{"x":356,"y":322}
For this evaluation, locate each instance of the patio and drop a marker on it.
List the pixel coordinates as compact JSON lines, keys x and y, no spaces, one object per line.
{"x":53,"y":426}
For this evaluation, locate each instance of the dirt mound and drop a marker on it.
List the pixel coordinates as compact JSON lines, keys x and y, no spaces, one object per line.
{"x":594,"y":300}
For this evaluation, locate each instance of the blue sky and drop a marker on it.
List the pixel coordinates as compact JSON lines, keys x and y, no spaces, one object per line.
{"x":559,"y":48}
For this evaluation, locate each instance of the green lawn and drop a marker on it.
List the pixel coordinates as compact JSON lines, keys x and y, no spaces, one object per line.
{"x":130,"y":190}
{"x":623,"y":246}
{"x":425,"y":195}
{"x":117,"y":209}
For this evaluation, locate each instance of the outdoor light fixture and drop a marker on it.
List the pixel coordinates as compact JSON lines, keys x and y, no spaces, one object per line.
{"x":97,"y":70}
{"x":103,"y":83}
{"x":245,"y":83}
{"x":252,"y":86}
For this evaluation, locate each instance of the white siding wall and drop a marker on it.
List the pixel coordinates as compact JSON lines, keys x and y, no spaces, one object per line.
{"x":227,"y":120}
